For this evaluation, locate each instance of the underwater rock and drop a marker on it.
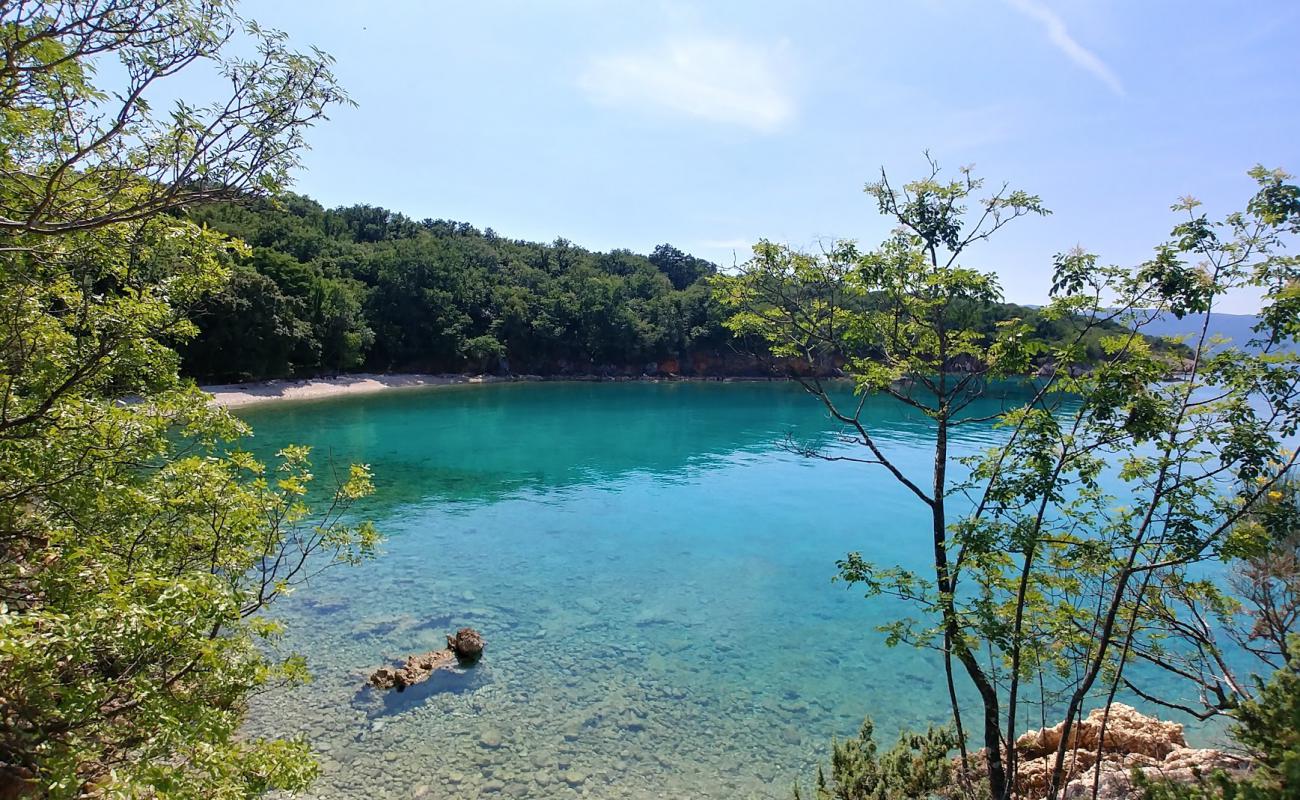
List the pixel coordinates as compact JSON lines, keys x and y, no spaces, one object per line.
{"x":575,"y":778}
{"x":466,"y":647}
{"x":415,"y":670}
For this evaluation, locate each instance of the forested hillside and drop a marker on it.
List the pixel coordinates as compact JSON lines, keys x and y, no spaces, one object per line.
{"x":326,"y":291}
{"x":363,"y":288}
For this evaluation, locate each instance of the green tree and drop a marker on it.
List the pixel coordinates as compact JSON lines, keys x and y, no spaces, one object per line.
{"x":338,"y":317}
{"x":249,"y":330}
{"x":137,"y":551}
{"x":899,"y":319}
{"x":1107,"y":480}
{"x":430,"y":291}
{"x":1221,"y":635}
{"x":1194,"y":456}
{"x":681,"y":268}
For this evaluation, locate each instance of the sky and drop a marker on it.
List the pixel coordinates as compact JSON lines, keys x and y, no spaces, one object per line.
{"x":711,"y":125}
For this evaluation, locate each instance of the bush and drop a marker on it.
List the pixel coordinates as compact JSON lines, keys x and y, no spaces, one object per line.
{"x":918,"y":766}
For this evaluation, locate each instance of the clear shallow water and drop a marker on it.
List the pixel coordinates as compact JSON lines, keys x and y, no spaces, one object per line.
{"x":650,"y":568}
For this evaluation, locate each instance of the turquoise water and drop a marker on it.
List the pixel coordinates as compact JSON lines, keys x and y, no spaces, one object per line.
{"x":650,"y":567}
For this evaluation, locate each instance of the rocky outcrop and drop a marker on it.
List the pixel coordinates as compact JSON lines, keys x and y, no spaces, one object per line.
{"x":1049,"y":368}
{"x":1126,"y":731}
{"x":1181,"y":765}
{"x":467,"y":644}
{"x":1131,"y":741}
{"x":966,"y":362}
{"x":465,"y":647}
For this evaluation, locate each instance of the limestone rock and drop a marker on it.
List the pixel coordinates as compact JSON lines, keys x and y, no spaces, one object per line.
{"x":466,"y":647}
{"x":417,"y":669}
{"x":1183,"y":765}
{"x":467,"y":644}
{"x":1127,"y":732}
{"x":1131,"y":740}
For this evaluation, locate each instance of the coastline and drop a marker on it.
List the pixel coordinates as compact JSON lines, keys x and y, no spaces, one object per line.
{"x":239,"y":395}
{"x":247,"y":393}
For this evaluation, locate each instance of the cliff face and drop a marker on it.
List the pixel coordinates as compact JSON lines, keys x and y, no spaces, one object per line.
{"x":1131,"y":740}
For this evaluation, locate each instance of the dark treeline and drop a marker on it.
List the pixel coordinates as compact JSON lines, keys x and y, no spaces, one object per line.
{"x":327,"y":291}
{"x":363,"y":288}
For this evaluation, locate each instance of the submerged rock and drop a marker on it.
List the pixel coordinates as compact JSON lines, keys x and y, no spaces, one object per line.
{"x":466,"y":647}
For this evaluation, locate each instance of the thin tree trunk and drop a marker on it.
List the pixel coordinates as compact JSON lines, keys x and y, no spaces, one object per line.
{"x":1013,"y":692}
{"x":956,"y":713}
{"x":945,"y":584}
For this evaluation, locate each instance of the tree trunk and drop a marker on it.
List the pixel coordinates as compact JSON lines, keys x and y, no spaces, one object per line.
{"x":945,"y":584}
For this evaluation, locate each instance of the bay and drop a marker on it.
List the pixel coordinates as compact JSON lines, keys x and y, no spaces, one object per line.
{"x":651,"y":567}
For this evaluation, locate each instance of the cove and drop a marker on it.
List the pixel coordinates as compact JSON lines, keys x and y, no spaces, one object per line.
{"x":650,"y":566}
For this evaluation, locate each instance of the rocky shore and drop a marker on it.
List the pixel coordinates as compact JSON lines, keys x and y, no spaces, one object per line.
{"x":1131,"y":742}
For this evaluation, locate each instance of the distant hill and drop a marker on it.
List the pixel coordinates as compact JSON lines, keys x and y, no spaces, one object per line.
{"x":1236,"y":327}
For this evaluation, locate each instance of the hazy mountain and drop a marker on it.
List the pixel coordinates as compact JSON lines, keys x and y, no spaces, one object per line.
{"x":1236,"y":327}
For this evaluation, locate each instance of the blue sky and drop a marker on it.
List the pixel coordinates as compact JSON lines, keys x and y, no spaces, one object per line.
{"x":710,"y":125}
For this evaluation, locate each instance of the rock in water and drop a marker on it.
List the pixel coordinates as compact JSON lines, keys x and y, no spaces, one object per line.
{"x":417,"y":669}
{"x":467,"y":644}
{"x":466,"y":647}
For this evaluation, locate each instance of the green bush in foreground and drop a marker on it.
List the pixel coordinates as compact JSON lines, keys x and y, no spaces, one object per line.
{"x":1268,"y":727}
{"x":918,"y":766}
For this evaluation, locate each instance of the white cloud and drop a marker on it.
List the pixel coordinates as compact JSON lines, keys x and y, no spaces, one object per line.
{"x":717,"y":79}
{"x":1061,"y":39}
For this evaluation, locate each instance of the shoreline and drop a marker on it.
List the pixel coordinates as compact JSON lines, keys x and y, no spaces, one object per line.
{"x":240,"y":395}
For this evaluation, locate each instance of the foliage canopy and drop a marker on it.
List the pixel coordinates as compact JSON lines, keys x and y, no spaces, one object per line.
{"x":136,"y":551}
{"x":1113,"y":476}
{"x":330,"y":290}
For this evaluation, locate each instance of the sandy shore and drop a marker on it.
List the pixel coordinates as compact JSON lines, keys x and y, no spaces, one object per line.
{"x":235,"y":395}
